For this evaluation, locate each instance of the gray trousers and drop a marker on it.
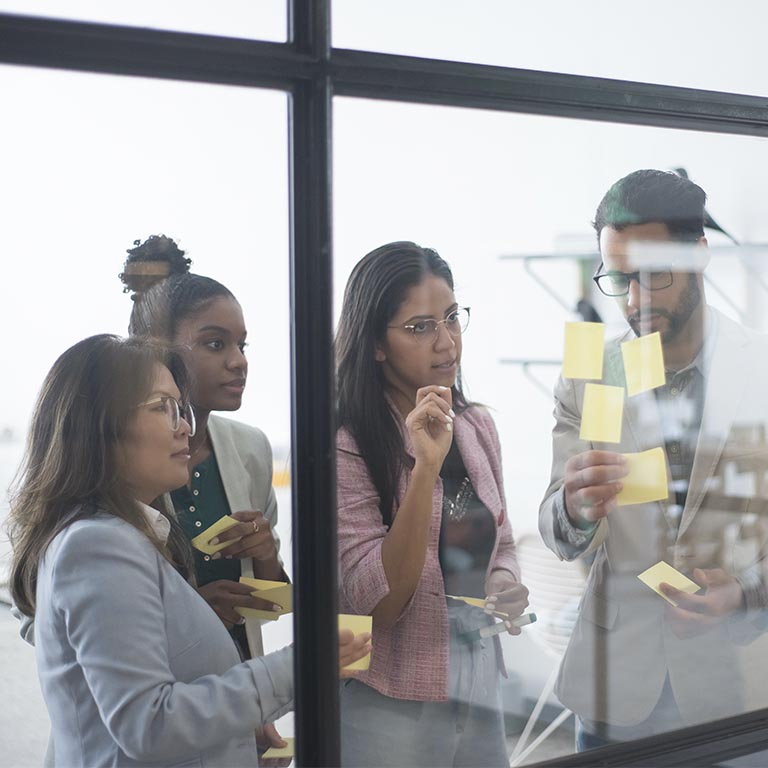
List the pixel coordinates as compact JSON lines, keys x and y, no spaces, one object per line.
{"x":467,"y":730}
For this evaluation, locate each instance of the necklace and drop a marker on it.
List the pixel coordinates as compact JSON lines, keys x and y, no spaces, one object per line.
{"x":456,"y":508}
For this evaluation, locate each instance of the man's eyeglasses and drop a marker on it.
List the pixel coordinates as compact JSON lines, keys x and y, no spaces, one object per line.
{"x":617,"y":283}
{"x":174,"y":412}
{"x":426,"y":330}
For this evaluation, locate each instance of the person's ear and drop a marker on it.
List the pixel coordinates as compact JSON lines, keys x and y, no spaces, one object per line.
{"x":379,"y":355}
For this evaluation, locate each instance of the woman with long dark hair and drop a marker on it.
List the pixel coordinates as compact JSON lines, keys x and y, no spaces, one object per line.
{"x":135,"y":668}
{"x":422,"y":520}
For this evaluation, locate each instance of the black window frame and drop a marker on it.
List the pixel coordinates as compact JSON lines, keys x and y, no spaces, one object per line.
{"x":311,"y":72}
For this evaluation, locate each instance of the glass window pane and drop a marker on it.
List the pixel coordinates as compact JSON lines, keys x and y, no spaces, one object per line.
{"x":91,"y":164}
{"x":263,"y":20}
{"x":508,"y":202}
{"x":691,"y":43}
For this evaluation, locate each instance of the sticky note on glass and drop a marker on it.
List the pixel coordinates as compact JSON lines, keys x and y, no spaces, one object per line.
{"x":643,"y":363}
{"x":664,"y":573}
{"x":278,"y":592}
{"x":601,"y":413}
{"x":280,"y":753}
{"x":359,"y":625}
{"x":583,"y":356}
{"x":222,"y":524}
{"x":647,"y":478}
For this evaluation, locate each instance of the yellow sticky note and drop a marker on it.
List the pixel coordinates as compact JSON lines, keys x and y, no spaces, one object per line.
{"x":643,"y":363}
{"x":664,"y":572}
{"x":279,"y":592}
{"x":222,"y":524}
{"x":359,"y":625}
{"x":479,"y":602}
{"x":583,"y":357}
{"x":601,"y":413}
{"x":647,"y":478}
{"x":277,"y":753}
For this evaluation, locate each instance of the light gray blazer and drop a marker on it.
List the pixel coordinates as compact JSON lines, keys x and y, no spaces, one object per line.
{"x":244,"y":456}
{"x":134,"y":666}
{"x":622,"y":649}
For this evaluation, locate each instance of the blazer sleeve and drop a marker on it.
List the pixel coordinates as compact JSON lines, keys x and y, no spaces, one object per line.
{"x":565,"y":443}
{"x":114,"y":619}
{"x":361,"y":531}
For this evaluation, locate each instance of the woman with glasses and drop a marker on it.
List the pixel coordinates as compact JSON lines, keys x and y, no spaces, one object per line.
{"x":134,"y":667}
{"x":422,"y":521}
{"x":230,"y":465}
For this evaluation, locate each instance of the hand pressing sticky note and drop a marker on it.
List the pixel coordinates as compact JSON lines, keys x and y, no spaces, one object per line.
{"x":222,"y":524}
{"x":358,"y":625}
{"x":643,"y":363}
{"x":601,"y":413}
{"x":646,"y":479}
{"x":280,"y":753}
{"x":278,"y":592}
{"x":583,"y":356}
{"x":664,"y":573}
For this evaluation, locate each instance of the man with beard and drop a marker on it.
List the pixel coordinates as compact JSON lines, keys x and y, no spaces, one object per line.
{"x":637,"y":665}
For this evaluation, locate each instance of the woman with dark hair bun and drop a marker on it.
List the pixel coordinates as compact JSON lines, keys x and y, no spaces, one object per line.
{"x":422,"y":518}
{"x":134,"y":667}
{"x":230,"y":466}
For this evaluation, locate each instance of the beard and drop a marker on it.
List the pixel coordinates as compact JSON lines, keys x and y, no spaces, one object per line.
{"x":678,"y":317}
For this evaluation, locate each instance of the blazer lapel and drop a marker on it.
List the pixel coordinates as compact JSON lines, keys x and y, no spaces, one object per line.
{"x":233,"y":474}
{"x":474,"y":454}
{"x":729,"y":370}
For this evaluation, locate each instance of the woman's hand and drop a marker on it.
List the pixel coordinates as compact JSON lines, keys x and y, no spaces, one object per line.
{"x":251,"y":537}
{"x":224,"y":595}
{"x":430,"y":425}
{"x":506,"y":595}
{"x":351,"y":648}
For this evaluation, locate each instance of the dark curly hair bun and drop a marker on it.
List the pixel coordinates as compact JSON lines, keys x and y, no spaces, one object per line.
{"x":149,"y":262}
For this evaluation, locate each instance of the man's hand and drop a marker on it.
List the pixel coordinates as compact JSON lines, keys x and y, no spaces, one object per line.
{"x":591,"y":485}
{"x":223,"y":596}
{"x":696,"y":614}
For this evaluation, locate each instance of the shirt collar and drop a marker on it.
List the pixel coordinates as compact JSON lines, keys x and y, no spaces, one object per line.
{"x":158,"y":522}
{"x":703,"y":359}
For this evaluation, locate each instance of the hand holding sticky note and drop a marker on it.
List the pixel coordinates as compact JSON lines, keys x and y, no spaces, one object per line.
{"x":646,"y":479}
{"x":643,"y":363}
{"x":281,"y":753}
{"x":583,"y":356}
{"x":359,"y":625}
{"x":663,"y":573}
{"x":200,"y":541}
{"x":277,"y":592}
{"x":601,"y":413}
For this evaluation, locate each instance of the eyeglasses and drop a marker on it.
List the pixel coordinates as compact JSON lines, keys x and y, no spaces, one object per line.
{"x":422,"y":330}
{"x":617,"y":283}
{"x":175,"y":412}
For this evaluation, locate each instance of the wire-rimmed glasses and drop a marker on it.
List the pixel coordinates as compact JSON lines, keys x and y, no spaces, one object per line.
{"x":426,"y":330}
{"x":614,"y":283}
{"x":175,"y":412}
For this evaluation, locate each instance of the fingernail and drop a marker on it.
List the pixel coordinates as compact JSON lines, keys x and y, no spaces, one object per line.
{"x":241,"y":620}
{"x":214,"y":542}
{"x":449,"y":427}
{"x":488,"y":610}
{"x":448,"y":420}
{"x":491,"y":599}
{"x":508,"y":624}
{"x":442,"y":388}
{"x":215,"y":555}
{"x":276,"y":608}
{"x":451,"y":413}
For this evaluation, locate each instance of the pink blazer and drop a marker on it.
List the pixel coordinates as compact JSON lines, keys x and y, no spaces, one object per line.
{"x":410,"y":659}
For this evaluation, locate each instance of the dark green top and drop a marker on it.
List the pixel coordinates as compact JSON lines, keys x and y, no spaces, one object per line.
{"x":198,"y":508}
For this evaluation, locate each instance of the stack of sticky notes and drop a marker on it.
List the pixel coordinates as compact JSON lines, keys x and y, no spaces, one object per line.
{"x":664,"y":573}
{"x":200,"y":542}
{"x":358,"y":625}
{"x":281,"y":753}
{"x":278,"y":592}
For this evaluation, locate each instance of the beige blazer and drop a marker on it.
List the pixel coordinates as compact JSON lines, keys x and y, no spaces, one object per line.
{"x":244,"y":456}
{"x":622,"y":649}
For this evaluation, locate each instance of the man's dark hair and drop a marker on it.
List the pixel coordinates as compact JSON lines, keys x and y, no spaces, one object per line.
{"x":649,"y":196}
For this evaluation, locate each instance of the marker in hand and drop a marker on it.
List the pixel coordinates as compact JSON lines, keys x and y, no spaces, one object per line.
{"x":499,"y":627}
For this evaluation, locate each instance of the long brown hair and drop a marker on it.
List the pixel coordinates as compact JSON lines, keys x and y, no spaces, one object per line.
{"x":70,"y":470}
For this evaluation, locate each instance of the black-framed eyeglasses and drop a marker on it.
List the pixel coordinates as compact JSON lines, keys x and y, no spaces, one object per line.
{"x":613,"y":283}
{"x":422,"y":330}
{"x":175,"y":412}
